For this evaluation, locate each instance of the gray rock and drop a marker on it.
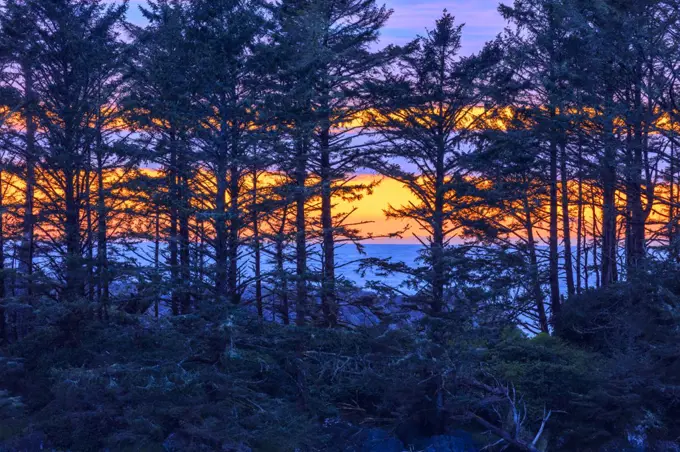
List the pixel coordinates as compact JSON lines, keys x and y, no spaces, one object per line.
{"x":448,"y":443}
{"x":377,"y":440}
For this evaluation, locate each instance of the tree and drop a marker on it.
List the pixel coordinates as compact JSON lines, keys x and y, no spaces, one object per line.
{"x":342,"y":34}
{"x":291,"y":65}
{"x":539,"y":53}
{"x":223,"y":34}
{"x":161,"y":103}
{"x":79,"y":52}
{"x":513,"y":210}
{"x":20,"y":52}
{"x":423,"y":111}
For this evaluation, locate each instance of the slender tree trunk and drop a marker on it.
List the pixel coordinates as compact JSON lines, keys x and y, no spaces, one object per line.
{"x":535,"y":271}
{"x":566,"y":224}
{"x":283,"y":290}
{"x":173,"y":233}
{"x":103,"y":291}
{"x":234,"y":216}
{"x":3,"y":276}
{"x":557,"y":136}
{"x":554,"y":271}
{"x":2,"y":264}
{"x":437,"y":246}
{"x":233,"y":233}
{"x":635,"y":237}
{"x":609,"y":213}
{"x":301,"y":232}
{"x":25,"y":267}
{"x":257,"y":247}
{"x":90,"y":228}
{"x":595,"y":235}
{"x":200,"y":252}
{"x":586,"y":268}
{"x":185,"y":242}
{"x":674,"y":252}
{"x":156,"y":258}
{"x":281,"y":267}
{"x":221,"y":269}
{"x":579,"y":226}
{"x":328,"y":289}
{"x":74,"y":277}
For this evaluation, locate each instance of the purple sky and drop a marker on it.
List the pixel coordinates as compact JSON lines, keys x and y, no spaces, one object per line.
{"x":413,"y":17}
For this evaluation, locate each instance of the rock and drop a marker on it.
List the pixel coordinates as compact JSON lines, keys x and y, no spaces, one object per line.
{"x":459,"y":442}
{"x":377,"y":440}
{"x":34,"y":441}
{"x":177,"y":442}
{"x":355,"y":439}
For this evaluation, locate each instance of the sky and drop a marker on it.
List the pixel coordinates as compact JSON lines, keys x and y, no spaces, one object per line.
{"x":410,"y":19}
{"x":414,"y":17}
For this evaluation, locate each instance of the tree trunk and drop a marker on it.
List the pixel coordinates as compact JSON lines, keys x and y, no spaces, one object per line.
{"x":535,"y":271}
{"x":283,"y":290}
{"x":557,"y":136}
{"x":234,"y":218}
{"x":328,"y":289}
{"x":156,"y":258}
{"x":185,"y":243}
{"x":609,"y":274}
{"x":89,"y":238}
{"x":596,"y":265}
{"x":173,"y":236}
{"x":281,"y":268}
{"x":103,"y":291}
{"x":257,"y":249}
{"x":635,"y":237}
{"x":301,"y":232}
{"x":566,"y":224}
{"x":554,"y":270}
{"x":674,"y":252}
{"x":25,"y":267}
{"x":579,"y":226}
{"x":2,"y":245}
{"x":221,"y":270}
{"x":74,"y":277}
{"x":437,"y":246}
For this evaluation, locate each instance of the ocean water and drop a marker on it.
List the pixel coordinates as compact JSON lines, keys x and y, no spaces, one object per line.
{"x":349,"y":262}
{"x":348,"y":258}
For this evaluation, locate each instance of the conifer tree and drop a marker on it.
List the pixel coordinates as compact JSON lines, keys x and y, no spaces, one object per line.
{"x":79,"y":52}
{"x":161,"y":103}
{"x":423,"y":112}
{"x":337,"y":39}
{"x":538,"y":52}
{"x":20,"y":52}
{"x":223,"y":34}
{"x":292,"y":69}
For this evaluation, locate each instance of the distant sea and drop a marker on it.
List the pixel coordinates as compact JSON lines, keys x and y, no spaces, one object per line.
{"x":348,"y":259}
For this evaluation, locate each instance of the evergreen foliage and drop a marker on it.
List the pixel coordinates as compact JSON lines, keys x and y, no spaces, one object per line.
{"x":174,"y":196}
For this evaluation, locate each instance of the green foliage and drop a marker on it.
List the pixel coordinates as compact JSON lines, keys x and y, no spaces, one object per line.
{"x":130,"y":385}
{"x":222,"y":379}
{"x":634,"y":326}
{"x":554,"y":375}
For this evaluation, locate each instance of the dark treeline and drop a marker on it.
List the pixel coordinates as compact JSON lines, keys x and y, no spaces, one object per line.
{"x":177,"y":193}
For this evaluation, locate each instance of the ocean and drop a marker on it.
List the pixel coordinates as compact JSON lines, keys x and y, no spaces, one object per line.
{"x":348,"y":259}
